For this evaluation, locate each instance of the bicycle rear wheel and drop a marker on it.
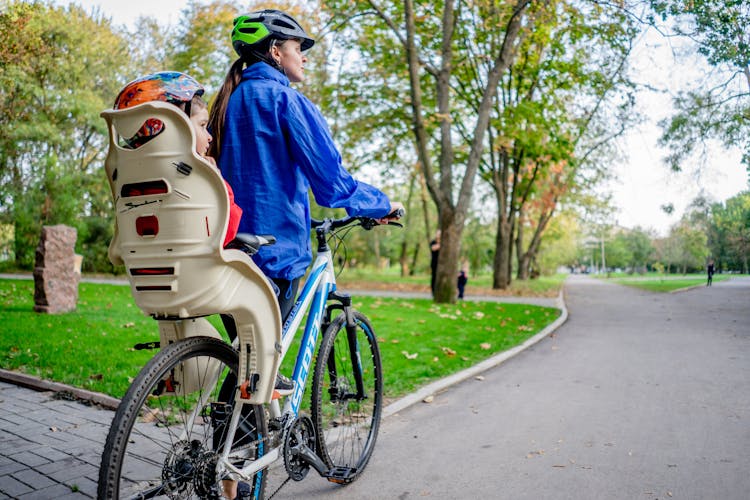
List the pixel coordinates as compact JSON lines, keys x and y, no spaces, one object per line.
{"x":169,"y":429}
{"x":347,"y":397}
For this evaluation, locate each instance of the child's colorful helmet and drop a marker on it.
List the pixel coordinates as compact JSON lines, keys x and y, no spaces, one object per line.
{"x":168,"y":86}
{"x":251,"y":29}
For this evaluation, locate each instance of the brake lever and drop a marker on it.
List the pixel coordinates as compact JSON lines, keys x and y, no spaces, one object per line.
{"x":397,"y":224}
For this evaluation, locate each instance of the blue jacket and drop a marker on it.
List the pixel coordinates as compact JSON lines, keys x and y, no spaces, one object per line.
{"x":275,"y":146}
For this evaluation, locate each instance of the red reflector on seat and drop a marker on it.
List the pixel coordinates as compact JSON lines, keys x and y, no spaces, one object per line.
{"x":144,"y":188}
{"x":152,"y":271}
{"x":147,"y":225}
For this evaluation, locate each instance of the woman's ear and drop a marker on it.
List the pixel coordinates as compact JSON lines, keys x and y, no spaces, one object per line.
{"x":275,"y":53}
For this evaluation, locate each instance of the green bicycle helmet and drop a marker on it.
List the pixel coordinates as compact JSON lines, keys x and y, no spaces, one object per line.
{"x":252,"y":29}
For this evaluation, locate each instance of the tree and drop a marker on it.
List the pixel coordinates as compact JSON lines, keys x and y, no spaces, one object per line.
{"x":421,"y":41}
{"x":638,"y":244}
{"x":719,"y":29}
{"x":558,"y":106}
{"x":731,"y":227}
{"x":59,"y":67}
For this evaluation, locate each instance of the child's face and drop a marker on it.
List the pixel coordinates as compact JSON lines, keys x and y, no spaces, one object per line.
{"x":199,"y":119}
{"x":291,"y":59}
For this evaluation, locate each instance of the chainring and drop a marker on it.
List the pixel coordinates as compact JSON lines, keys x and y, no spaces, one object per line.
{"x":300,"y":431}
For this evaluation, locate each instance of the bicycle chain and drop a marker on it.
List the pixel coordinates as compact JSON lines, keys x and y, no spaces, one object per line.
{"x":288,"y":478}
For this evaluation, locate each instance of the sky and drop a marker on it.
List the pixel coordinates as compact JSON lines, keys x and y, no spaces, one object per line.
{"x":643,"y":182}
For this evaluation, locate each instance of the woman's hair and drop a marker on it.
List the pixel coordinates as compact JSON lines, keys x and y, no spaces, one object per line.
{"x":219,"y":107}
{"x":231,"y":81}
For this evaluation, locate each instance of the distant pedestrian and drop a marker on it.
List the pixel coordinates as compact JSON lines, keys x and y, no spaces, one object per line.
{"x":462,"y":279}
{"x":435,"y":250}
{"x":710,"y":270}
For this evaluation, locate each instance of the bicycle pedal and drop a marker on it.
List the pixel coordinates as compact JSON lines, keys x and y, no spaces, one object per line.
{"x":342,"y":475}
{"x":147,"y":345}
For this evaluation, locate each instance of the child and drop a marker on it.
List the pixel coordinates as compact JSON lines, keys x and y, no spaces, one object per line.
{"x":185,"y":93}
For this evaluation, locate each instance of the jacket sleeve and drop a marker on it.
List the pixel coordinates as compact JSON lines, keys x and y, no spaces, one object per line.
{"x":315,"y":153}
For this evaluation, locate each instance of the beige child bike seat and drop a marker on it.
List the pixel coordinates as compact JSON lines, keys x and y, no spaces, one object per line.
{"x":171,"y":210}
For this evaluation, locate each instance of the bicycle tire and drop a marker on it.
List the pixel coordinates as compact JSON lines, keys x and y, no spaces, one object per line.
{"x":346,"y":425}
{"x":154,"y":448}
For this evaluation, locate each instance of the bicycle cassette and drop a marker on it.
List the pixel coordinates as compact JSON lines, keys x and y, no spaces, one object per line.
{"x":300,"y":434}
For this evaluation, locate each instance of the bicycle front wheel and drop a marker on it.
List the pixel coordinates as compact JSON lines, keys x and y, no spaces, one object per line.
{"x":169,"y":430}
{"x":347,"y":397}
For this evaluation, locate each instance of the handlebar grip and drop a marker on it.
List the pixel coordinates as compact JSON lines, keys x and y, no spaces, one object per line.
{"x":396,"y":214}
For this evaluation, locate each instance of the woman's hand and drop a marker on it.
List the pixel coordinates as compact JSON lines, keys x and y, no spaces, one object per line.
{"x":396,"y":212}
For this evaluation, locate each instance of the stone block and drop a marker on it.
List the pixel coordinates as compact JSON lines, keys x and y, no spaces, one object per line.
{"x":55,"y":275}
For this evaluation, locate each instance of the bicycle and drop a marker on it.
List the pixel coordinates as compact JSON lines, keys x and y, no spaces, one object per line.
{"x":337,"y":440}
{"x":181,"y":430}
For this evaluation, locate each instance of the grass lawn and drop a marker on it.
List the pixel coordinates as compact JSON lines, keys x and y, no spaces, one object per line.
{"x":92,"y":347}
{"x":665,"y":283}
{"x":391,"y":279}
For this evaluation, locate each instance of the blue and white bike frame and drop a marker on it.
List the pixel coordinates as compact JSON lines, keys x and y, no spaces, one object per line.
{"x":314,"y":295}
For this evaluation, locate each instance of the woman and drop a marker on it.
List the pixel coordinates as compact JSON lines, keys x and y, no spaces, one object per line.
{"x":272,"y":145}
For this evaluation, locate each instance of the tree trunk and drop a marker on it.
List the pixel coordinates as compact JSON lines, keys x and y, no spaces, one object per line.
{"x":500,"y":275}
{"x":403,"y":257}
{"x":414,"y":258}
{"x":529,"y":256}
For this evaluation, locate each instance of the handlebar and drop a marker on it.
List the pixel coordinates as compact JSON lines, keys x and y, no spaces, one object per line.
{"x":327,"y":225}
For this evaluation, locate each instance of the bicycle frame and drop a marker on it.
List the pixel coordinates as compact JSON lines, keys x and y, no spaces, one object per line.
{"x":313,"y":297}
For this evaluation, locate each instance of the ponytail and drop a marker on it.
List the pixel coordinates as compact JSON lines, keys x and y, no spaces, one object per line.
{"x":219,"y":108}
{"x":259,"y":53}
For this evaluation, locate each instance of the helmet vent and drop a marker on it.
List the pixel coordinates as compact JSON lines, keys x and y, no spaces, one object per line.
{"x":279,"y":22}
{"x":248,"y":31}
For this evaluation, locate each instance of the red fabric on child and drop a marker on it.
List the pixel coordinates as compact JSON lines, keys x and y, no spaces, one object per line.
{"x":235,"y":213}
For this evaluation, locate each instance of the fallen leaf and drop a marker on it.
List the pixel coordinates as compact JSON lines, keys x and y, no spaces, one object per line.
{"x":479,"y":377}
{"x":395,"y":341}
{"x":54,"y":429}
{"x":435,"y":359}
{"x":485,"y":345}
{"x":448,"y":351}
{"x":128,"y":325}
{"x":410,"y":356}
{"x":429,"y":399}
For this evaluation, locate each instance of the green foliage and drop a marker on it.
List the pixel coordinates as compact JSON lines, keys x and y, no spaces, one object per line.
{"x":718,"y":28}
{"x":200,"y":44}
{"x":656,"y":283}
{"x":58,"y":69}
{"x":730,"y":233}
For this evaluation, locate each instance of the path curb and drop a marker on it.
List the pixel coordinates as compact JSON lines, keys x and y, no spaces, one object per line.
{"x":31,"y":382}
{"x":443,"y":384}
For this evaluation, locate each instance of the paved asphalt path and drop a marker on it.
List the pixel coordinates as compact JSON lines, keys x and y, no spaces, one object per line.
{"x":638,"y":396}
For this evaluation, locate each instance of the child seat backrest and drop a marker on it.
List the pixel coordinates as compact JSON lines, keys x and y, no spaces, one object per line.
{"x":171,"y":206}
